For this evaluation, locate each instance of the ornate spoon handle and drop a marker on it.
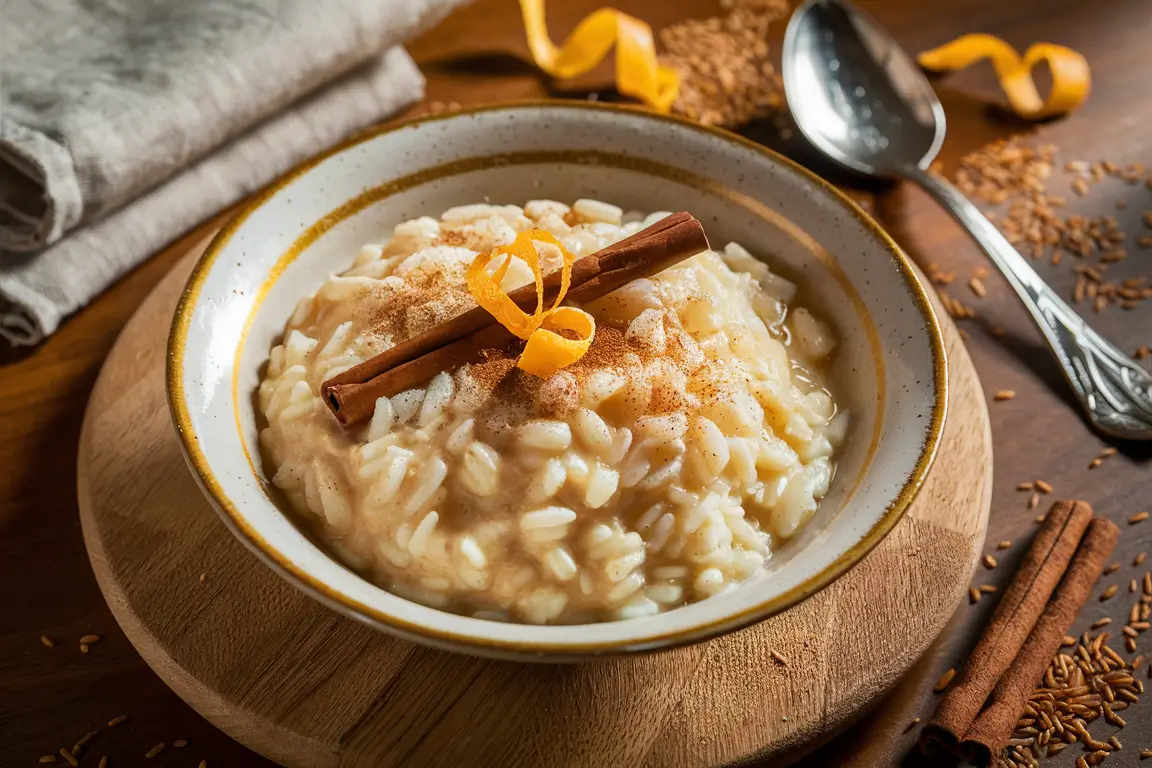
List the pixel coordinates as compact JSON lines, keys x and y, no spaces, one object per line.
{"x":1116,"y":392}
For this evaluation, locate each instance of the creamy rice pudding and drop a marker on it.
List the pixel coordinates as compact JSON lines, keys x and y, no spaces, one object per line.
{"x":660,"y":468}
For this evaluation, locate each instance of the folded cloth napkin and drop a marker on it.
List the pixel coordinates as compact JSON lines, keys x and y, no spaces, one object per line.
{"x":125,"y":122}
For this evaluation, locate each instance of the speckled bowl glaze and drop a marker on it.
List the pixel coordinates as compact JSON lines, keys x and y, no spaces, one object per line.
{"x":889,"y":368}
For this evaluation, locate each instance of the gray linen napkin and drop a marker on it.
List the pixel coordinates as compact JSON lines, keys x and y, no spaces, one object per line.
{"x":125,"y":122}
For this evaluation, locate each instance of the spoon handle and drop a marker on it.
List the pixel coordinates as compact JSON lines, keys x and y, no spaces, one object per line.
{"x":1116,"y":392}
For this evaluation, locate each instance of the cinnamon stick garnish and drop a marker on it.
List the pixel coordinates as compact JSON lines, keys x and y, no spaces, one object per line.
{"x":352,"y":394}
{"x":995,"y":725}
{"x":1015,"y":617}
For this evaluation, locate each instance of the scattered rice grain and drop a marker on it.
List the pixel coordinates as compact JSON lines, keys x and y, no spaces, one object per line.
{"x":944,"y":680}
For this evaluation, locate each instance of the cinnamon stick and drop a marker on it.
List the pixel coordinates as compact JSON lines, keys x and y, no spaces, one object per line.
{"x":352,"y":394}
{"x":1023,"y":602}
{"x":987,"y":736}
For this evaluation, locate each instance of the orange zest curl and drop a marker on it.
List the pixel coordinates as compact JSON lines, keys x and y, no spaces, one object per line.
{"x":1071,"y":77}
{"x":547,"y":351}
{"x":638,"y":73}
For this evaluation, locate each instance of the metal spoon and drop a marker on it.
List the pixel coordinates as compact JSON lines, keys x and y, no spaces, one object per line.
{"x":863,"y":102}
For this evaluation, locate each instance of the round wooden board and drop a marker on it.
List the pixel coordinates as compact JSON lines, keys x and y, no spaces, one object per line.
{"x":304,"y":686}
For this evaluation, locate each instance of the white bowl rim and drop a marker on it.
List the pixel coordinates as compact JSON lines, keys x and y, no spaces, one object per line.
{"x":234,"y":519}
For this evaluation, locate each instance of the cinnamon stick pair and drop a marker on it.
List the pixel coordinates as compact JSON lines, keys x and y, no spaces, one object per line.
{"x":978,"y":713}
{"x":352,"y":395}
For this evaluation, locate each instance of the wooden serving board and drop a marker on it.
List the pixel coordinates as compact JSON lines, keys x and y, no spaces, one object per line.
{"x":304,"y":686}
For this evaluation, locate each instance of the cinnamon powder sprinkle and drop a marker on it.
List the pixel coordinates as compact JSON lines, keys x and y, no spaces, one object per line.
{"x":944,"y":680}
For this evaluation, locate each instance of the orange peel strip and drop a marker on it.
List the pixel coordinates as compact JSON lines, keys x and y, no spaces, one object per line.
{"x":546,"y":351}
{"x":1071,"y":76}
{"x":638,"y":73}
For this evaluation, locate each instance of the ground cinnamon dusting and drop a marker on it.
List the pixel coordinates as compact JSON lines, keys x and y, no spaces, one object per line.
{"x":425,"y":298}
{"x":609,"y":349}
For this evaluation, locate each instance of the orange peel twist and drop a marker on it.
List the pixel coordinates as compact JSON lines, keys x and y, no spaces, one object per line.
{"x":1071,"y":77}
{"x":546,"y":351}
{"x":638,"y":73}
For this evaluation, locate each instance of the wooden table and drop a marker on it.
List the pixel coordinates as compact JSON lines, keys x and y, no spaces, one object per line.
{"x":51,"y":697}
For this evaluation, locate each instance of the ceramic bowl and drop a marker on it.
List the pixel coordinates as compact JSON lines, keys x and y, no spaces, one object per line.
{"x":889,"y":366}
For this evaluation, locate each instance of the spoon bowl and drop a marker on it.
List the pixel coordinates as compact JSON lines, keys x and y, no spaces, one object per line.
{"x":862,"y":102}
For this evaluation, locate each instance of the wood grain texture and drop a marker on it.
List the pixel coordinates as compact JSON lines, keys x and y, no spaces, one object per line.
{"x":306,"y":687}
{"x":51,"y":697}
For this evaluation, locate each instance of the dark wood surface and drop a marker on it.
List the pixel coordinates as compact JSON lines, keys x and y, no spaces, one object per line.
{"x":51,"y":697}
